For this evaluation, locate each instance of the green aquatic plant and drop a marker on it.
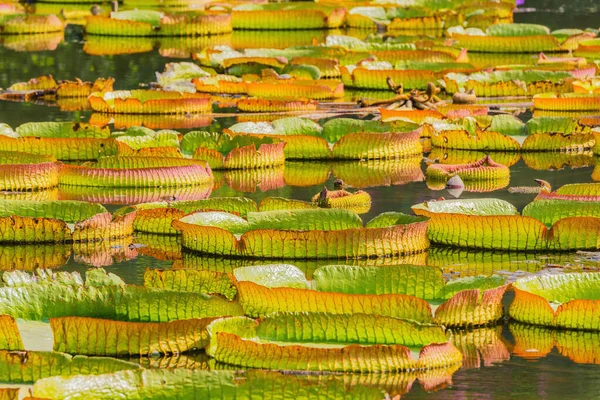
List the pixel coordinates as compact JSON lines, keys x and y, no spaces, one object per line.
{"x":323,"y":233}
{"x":23,"y":24}
{"x":272,"y":339}
{"x":225,"y":151}
{"x":137,"y":172}
{"x":517,"y":38}
{"x":100,"y":297}
{"x":506,"y":133}
{"x":564,"y":300}
{"x":495,"y":224}
{"x":352,"y":139}
{"x":267,"y":105}
{"x":68,"y":141}
{"x":26,"y":221}
{"x":156,"y":23}
{"x":401,"y":291}
{"x":149,"y":102}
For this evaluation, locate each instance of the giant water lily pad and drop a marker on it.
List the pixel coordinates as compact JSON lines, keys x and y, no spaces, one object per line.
{"x":516,"y":38}
{"x":563,"y":300}
{"x":22,"y":171}
{"x":137,"y":172}
{"x":324,"y":233}
{"x":479,"y":299}
{"x":282,"y":17}
{"x":510,"y":83}
{"x":103,"y":296}
{"x":60,"y":221}
{"x":567,"y":102}
{"x":22,"y":24}
{"x":101,"y":337}
{"x":156,"y":23}
{"x":232,"y":340}
{"x":149,"y":102}
{"x":495,"y":224}
{"x":225,"y":151}
{"x":46,"y":86}
{"x":63,"y":140}
{"x":351,"y":138}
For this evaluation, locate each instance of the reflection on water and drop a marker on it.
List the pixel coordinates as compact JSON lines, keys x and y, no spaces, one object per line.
{"x":464,"y":262}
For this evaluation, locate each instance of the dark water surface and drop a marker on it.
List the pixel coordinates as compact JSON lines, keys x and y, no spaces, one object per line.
{"x":553,"y":375}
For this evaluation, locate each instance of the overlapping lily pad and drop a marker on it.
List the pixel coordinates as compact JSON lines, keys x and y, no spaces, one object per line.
{"x":391,"y":291}
{"x":158,"y":217}
{"x":233,"y":340}
{"x":565,"y":300}
{"x":69,"y":141}
{"x":156,"y":23}
{"x":516,"y":38}
{"x":282,"y":17}
{"x":46,"y":86}
{"x":60,"y":221}
{"x":504,"y":133}
{"x":310,"y":234}
{"x":49,"y":295}
{"x":137,"y":172}
{"x":21,"y":171}
{"x":149,"y":102}
{"x":23,"y":24}
{"x":495,"y":224}
{"x":352,"y":138}
{"x":225,"y":151}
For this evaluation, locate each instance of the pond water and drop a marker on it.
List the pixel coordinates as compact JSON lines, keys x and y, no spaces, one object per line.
{"x":502,"y":364}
